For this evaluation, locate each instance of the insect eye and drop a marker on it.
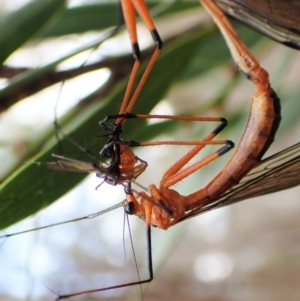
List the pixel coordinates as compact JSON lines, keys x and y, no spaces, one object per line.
{"x":129,"y":208}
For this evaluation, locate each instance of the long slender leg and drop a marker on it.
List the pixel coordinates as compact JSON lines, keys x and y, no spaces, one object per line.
{"x":183,"y":161}
{"x":172,"y":175}
{"x":128,"y":7}
{"x":247,"y":64}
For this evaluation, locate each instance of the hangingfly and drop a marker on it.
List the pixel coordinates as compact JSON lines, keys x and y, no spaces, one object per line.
{"x":244,"y":176}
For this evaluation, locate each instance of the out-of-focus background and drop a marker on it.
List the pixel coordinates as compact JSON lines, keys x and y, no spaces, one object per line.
{"x":247,"y":251}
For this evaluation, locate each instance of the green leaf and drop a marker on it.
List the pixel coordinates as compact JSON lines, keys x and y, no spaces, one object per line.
{"x":18,"y":27}
{"x":102,"y":15}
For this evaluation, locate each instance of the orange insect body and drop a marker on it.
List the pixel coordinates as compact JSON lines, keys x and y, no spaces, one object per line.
{"x":162,"y":206}
{"x":262,"y":125}
{"x":130,"y":165}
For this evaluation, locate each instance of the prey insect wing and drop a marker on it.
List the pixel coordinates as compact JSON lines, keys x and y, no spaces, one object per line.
{"x":111,"y":173}
{"x":68,"y":164}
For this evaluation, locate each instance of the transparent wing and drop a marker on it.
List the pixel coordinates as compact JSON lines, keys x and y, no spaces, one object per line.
{"x":277,"y":19}
{"x":71,"y":165}
{"x":278,"y":172}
